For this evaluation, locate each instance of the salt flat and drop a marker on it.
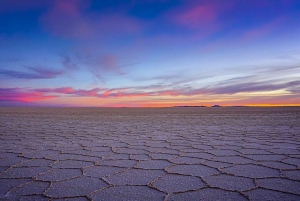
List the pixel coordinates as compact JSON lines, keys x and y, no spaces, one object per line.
{"x":77,"y":154}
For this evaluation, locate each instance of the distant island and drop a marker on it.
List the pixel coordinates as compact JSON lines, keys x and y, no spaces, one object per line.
{"x":190,"y":106}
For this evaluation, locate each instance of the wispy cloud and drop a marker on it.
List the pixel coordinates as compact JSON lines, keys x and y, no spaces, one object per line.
{"x":250,"y":87}
{"x":161,"y":94}
{"x":263,"y":30}
{"x":197,"y":16}
{"x":10,"y":60}
{"x":68,"y":64}
{"x":33,"y":73}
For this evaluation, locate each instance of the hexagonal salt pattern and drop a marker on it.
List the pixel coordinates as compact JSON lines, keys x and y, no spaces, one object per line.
{"x":163,"y":154}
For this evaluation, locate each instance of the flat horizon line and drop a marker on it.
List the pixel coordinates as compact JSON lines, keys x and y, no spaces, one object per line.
{"x":241,"y":106}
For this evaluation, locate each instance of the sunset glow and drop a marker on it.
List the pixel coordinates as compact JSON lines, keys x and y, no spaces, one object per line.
{"x":152,"y":53}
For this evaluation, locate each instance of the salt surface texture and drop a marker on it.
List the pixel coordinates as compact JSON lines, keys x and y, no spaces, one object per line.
{"x":150,"y":154}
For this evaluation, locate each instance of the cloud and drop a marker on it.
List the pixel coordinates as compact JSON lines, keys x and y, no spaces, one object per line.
{"x":103,"y":64}
{"x":197,"y":16}
{"x":65,"y":19}
{"x":263,"y":30}
{"x":73,"y":19}
{"x":202,"y":14}
{"x":34,"y":73}
{"x":230,"y":89}
{"x":21,"y":95}
{"x":98,"y":65}
{"x":11,"y":60}
{"x":68,"y":63}
{"x":70,"y":91}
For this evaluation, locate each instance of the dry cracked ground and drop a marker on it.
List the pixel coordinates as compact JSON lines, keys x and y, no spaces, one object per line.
{"x":150,"y":154}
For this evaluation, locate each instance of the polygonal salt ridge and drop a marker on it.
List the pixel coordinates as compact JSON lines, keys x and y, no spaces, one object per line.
{"x":280,"y":184}
{"x":39,"y":154}
{"x":114,"y":156}
{"x":171,"y":183}
{"x":11,"y":161}
{"x":137,"y":147}
{"x":23,"y":172}
{"x":201,"y":155}
{"x":86,"y":158}
{"x":276,"y":165}
{"x":9,"y":184}
{"x":76,"y":187}
{"x":207,"y":194}
{"x":232,"y":159}
{"x":224,"y":152}
{"x":69,"y":164}
{"x":216,"y":164}
{"x":250,"y":171}
{"x":129,"y":151}
{"x":79,"y":198}
{"x":179,"y":147}
{"x":228,"y":146}
{"x":133,"y":193}
{"x":133,"y":176}
{"x":291,"y":174}
{"x":162,"y":156}
{"x":33,"y":198}
{"x":163,"y":150}
{"x":292,"y":161}
{"x":99,"y":154}
{"x":229,"y":182}
{"x":188,"y":149}
{"x":157,"y":144}
{"x":285,"y":151}
{"x":35,"y":163}
{"x":153,"y":164}
{"x":98,"y":148}
{"x":117,"y":163}
{"x":116,"y":144}
{"x":30,"y":188}
{"x":54,"y":175}
{"x":4,"y":155}
{"x":265,"y":157}
{"x":192,"y":170}
{"x":185,"y":160}
{"x":77,"y":151}
{"x":266,"y":194}
{"x":140,"y":157}
{"x":102,"y":171}
{"x":254,"y":151}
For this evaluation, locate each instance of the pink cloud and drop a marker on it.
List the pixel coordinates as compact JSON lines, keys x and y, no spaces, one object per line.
{"x":100,"y":65}
{"x":202,"y":14}
{"x":19,"y":95}
{"x":198,"y":16}
{"x":262,"y":30}
{"x":73,"y":19}
{"x":66,"y":19}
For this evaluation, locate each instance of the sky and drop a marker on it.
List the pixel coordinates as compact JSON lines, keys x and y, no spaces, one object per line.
{"x":149,"y":53}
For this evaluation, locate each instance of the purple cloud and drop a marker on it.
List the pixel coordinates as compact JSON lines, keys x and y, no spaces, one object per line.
{"x":73,"y":19}
{"x":34,"y":73}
